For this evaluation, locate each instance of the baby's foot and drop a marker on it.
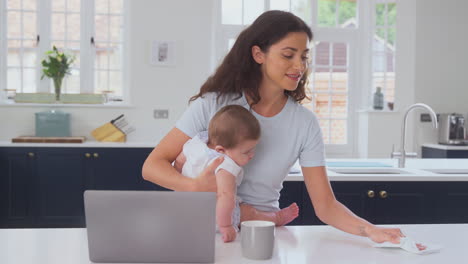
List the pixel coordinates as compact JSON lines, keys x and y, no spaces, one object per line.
{"x":286,"y":215}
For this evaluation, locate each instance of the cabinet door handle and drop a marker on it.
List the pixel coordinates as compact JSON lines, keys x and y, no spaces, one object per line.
{"x":96,"y":155}
{"x":31,"y":154}
{"x":87,"y":155}
{"x":370,"y":194}
{"x":383,"y":194}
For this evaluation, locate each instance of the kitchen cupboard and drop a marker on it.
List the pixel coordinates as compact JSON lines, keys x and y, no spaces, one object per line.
{"x":292,"y":192}
{"x":440,"y":153}
{"x":389,"y":202}
{"x":451,"y":205}
{"x":17,"y":168}
{"x":43,"y":187}
{"x":61,"y":180}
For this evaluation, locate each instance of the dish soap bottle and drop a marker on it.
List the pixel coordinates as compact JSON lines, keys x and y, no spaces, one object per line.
{"x":378,"y":99}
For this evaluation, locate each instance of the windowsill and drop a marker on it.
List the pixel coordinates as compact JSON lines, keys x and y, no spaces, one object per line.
{"x":107,"y":105}
{"x":384,"y":111}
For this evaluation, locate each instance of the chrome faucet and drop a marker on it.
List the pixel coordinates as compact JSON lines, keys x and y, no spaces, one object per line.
{"x":403,"y":154}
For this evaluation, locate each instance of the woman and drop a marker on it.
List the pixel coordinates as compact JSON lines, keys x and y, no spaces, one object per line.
{"x":266,"y":71}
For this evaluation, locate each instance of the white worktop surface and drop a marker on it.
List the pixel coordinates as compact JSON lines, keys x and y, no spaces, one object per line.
{"x":86,"y":144}
{"x":445,"y":147}
{"x":415,"y":170}
{"x":294,"y":245}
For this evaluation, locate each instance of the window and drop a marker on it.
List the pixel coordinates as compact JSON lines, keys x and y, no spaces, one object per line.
{"x":329,"y":85}
{"x":383,"y":48}
{"x":340,"y":71}
{"x":21,"y":42}
{"x":333,"y":69}
{"x":91,"y":30}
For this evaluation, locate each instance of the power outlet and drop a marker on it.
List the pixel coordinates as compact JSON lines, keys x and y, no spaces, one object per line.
{"x":425,"y":117}
{"x":161,"y":113}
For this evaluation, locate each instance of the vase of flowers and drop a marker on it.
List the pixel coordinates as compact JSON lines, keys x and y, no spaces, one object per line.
{"x":55,"y":66}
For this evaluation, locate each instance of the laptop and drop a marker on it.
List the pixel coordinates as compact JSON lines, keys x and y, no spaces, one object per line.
{"x":150,"y":226}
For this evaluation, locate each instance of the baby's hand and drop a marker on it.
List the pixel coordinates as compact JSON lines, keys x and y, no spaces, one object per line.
{"x":228,"y":233}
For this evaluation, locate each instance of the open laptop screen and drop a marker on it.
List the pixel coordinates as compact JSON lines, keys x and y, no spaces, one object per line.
{"x":150,"y":226}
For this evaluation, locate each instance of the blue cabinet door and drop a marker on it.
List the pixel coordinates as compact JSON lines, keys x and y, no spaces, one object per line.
{"x":405,"y":203}
{"x":359,"y":197}
{"x":435,"y":153}
{"x":383,"y":202}
{"x":452,"y":202}
{"x":119,"y":169}
{"x":60,"y":181}
{"x":16,"y":191}
{"x":292,"y":193}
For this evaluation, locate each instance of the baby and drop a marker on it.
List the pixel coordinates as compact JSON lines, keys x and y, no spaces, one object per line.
{"x":234,"y":133}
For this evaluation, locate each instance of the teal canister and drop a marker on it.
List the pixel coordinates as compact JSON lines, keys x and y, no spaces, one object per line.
{"x":53,"y":123}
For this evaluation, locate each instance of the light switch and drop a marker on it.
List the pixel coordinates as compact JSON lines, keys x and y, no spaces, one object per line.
{"x":161,"y":114}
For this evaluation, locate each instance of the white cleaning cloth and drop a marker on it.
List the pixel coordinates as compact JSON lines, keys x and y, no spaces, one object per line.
{"x":409,"y":245}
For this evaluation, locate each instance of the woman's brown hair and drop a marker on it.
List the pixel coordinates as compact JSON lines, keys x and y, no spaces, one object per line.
{"x":239,"y":72}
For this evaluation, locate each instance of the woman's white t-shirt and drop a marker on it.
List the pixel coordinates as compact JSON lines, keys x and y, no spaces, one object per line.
{"x":292,"y":134}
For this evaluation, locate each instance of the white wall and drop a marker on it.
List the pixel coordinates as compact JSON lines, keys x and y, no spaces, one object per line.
{"x":432,"y":50}
{"x":188,"y":23}
{"x":441,"y":56}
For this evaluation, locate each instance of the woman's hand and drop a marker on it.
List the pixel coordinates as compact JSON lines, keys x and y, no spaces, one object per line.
{"x":383,"y":234}
{"x":206,"y":181}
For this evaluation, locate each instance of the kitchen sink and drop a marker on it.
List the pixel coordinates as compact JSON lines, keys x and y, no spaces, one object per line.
{"x":369,"y":171}
{"x":448,"y":171}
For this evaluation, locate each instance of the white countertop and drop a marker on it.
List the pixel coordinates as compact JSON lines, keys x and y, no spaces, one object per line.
{"x":415,"y":170}
{"x":294,"y":244}
{"x":152,"y":145}
{"x":445,"y":147}
{"x":86,"y":144}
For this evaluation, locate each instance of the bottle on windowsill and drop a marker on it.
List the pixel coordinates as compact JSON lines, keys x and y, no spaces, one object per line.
{"x":378,"y":99}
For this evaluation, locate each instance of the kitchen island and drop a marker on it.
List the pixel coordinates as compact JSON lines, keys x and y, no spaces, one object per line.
{"x":294,"y":244}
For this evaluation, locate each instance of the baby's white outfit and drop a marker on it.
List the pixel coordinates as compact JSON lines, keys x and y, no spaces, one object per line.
{"x":198,"y":156}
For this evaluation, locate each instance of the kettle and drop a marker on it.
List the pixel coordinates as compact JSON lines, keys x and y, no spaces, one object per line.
{"x":452,"y":129}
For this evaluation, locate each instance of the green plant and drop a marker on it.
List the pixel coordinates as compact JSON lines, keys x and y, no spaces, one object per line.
{"x":55,"y":66}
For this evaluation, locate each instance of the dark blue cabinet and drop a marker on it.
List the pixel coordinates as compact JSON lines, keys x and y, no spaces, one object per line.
{"x":60,"y":181}
{"x":436,"y":153}
{"x":118,"y":169}
{"x":452,"y":203}
{"x":292,"y":192}
{"x":390,"y":202}
{"x":43,"y":186}
{"x":17,"y":168}
{"x":404,"y":203}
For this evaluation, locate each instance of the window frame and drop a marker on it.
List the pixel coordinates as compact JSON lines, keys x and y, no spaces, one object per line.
{"x":386,"y":27}
{"x":3,"y":49}
{"x":360,"y":36}
{"x":87,"y":50}
{"x":349,"y":37}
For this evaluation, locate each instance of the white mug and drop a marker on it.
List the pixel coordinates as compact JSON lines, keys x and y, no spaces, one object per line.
{"x":257,"y":239}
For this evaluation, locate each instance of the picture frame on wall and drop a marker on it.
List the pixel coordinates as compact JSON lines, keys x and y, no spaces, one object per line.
{"x":162,"y":53}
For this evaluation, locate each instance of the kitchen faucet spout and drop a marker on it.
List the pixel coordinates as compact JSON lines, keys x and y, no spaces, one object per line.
{"x":402,"y":154}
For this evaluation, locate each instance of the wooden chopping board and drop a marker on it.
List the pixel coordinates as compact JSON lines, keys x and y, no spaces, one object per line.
{"x":31,"y":139}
